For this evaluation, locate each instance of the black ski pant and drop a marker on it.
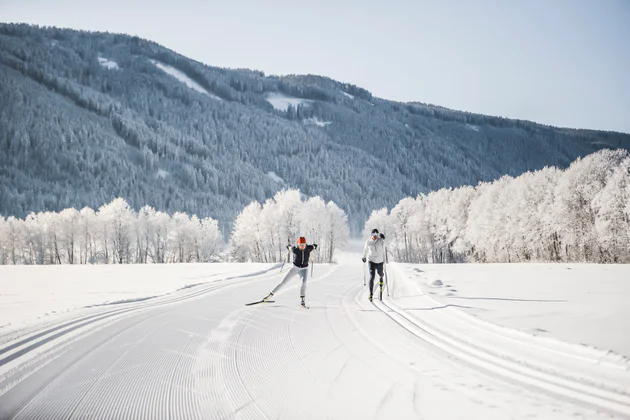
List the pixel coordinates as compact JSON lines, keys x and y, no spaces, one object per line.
{"x":375,"y":267}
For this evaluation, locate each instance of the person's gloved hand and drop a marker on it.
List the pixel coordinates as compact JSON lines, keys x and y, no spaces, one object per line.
{"x":314,"y":246}
{"x":363,"y":259}
{"x":382,"y":236}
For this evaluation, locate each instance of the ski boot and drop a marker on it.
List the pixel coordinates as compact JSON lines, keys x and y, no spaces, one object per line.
{"x":371,"y":297}
{"x":303,"y":302}
{"x":381,"y":290}
{"x":266,"y":298}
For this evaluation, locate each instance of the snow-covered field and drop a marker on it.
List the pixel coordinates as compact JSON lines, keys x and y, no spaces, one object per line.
{"x":281,"y":101}
{"x":470,"y":347}
{"x":31,"y":293}
{"x":578,"y":303}
{"x":316,"y":121}
{"x":108,"y":64}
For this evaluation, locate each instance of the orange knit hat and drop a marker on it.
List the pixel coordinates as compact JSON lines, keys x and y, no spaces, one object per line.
{"x":301,"y":240}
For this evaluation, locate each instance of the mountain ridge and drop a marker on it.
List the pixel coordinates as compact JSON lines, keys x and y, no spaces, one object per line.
{"x":75,"y":132}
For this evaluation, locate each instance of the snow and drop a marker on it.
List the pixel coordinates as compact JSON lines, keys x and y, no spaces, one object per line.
{"x":182,"y":77}
{"x":578,"y":303}
{"x":316,"y":121}
{"x":162,"y":173}
{"x":473,"y":127}
{"x":347,"y":94}
{"x":199,"y":352}
{"x":28,"y":293}
{"x":275,"y":177}
{"x":281,"y":102}
{"x":108,"y":64}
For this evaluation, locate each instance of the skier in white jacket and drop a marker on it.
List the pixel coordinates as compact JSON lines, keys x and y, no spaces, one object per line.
{"x":374,"y":253}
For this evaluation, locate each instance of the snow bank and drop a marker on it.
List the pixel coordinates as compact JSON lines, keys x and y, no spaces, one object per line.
{"x":472,"y":127}
{"x":436,"y":283}
{"x":281,"y":102}
{"x":31,"y":292}
{"x":182,"y":77}
{"x":108,"y":64}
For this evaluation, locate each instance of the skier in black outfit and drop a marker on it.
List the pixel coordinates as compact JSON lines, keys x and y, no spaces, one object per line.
{"x":374,"y":250}
{"x":301,"y":255}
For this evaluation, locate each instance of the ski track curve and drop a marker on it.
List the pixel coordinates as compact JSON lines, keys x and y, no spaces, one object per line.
{"x":530,"y":373}
{"x":200,"y":353}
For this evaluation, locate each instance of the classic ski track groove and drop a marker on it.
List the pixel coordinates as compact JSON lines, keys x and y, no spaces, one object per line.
{"x":53,"y":380}
{"x":60,"y":374}
{"x":568,"y":388}
{"x":110,"y":314}
{"x":91,"y":386}
{"x":274,"y":361}
{"x":237,"y":369}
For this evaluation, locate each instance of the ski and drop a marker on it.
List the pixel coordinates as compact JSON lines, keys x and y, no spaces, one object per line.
{"x":305,"y":307}
{"x":259,"y":301}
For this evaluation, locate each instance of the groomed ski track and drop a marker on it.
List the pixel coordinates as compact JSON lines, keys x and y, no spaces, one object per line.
{"x":199,"y":353}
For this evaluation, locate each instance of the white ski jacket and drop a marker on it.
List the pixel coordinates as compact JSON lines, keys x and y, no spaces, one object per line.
{"x":374,"y":250}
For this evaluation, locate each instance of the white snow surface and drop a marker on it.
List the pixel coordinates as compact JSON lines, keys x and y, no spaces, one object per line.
{"x":200,"y":352}
{"x":473,"y":127}
{"x":316,"y":121}
{"x":347,"y":94}
{"x":274,"y":176}
{"x":182,"y":77}
{"x":29,"y":293}
{"x":578,"y":303}
{"x":161,"y":173}
{"x":108,"y":64}
{"x":281,"y":101}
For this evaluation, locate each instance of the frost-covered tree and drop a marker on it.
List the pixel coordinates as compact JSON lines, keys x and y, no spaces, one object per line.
{"x":86,"y":236}
{"x":575,"y":192}
{"x":114,"y":234}
{"x":612,"y":221}
{"x":579,"y":214}
{"x":261,"y":232}
{"x":69,"y":224}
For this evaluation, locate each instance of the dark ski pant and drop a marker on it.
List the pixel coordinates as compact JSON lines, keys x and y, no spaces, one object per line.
{"x":375,"y":267}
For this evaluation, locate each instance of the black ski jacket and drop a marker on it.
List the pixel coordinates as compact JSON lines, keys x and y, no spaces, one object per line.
{"x":300,"y":257}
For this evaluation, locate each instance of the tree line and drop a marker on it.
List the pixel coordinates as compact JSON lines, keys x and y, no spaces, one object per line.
{"x":581,"y":214}
{"x":117,"y":234}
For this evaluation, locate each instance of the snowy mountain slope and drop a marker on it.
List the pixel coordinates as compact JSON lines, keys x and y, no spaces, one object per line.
{"x":182,"y":77}
{"x":76,"y":133}
{"x":200,"y":353}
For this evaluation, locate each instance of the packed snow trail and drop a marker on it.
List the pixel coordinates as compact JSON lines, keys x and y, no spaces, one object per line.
{"x":201,"y":353}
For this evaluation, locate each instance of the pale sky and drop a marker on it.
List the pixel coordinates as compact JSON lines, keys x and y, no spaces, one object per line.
{"x":557,"y":62}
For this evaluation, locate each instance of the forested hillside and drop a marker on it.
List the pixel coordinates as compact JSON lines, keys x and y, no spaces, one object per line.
{"x":88,"y":117}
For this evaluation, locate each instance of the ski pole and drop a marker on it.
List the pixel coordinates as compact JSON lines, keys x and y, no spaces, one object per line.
{"x":386,"y":274}
{"x":288,"y":258}
{"x":364,"y":274}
